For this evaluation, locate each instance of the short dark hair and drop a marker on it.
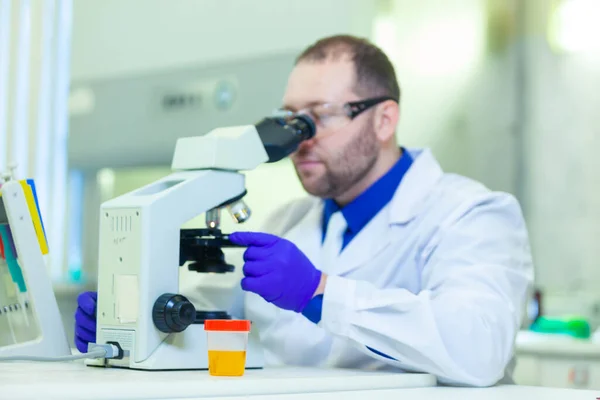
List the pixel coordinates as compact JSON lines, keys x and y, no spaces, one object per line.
{"x":375,"y":74}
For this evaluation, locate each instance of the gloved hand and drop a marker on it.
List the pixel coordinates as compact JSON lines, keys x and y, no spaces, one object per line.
{"x":277,"y":270}
{"x":85,"y":320}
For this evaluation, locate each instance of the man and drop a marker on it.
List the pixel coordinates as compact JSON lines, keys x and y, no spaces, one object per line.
{"x":390,"y":263}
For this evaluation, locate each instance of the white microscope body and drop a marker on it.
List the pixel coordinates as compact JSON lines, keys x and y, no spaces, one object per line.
{"x":140,"y":243}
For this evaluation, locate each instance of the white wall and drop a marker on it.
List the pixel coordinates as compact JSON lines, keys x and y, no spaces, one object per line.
{"x":116,"y":37}
{"x":563,"y":197}
{"x":455,"y":63}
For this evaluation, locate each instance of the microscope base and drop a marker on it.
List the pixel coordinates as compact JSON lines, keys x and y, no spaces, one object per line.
{"x":182,"y":351}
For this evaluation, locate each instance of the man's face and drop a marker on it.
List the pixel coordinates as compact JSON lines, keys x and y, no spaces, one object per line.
{"x":334,"y":160}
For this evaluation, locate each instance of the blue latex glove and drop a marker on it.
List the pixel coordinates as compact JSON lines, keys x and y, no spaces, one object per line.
{"x":85,"y":320}
{"x":277,"y":270}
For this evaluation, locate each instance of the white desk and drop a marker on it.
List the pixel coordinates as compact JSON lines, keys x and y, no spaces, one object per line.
{"x":72,"y":380}
{"x":443,"y":393}
{"x":557,"y":345}
{"x":25,"y":380}
{"x":557,"y":361}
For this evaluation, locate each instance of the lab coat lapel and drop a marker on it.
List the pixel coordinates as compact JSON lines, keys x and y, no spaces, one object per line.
{"x":376,"y":236}
{"x":365,"y":245}
{"x":417,"y":184}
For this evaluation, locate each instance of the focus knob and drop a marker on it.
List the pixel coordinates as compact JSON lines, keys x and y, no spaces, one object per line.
{"x":173,"y":313}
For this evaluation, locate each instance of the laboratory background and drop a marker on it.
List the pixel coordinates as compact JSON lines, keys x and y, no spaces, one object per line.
{"x":95,"y":93}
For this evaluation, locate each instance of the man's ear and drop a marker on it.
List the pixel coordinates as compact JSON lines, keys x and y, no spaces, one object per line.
{"x":387,"y":115}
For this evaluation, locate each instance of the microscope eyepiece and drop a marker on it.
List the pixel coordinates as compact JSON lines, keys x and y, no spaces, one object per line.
{"x":281,"y":136}
{"x":303,"y":126}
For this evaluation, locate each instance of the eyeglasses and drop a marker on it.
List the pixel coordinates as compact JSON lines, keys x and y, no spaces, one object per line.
{"x":331,"y":117}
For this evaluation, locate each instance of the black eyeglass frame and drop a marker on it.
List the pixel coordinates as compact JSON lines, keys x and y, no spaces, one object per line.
{"x":355,"y":108}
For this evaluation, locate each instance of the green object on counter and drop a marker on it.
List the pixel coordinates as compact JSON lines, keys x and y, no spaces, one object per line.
{"x":577,"y":327}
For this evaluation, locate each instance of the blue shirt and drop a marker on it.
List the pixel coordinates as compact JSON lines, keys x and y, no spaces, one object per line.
{"x":358,"y":213}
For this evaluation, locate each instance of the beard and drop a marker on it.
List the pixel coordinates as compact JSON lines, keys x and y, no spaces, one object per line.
{"x":345,"y":167}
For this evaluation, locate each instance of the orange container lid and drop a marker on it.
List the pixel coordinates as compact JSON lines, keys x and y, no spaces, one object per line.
{"x":231,"y":325}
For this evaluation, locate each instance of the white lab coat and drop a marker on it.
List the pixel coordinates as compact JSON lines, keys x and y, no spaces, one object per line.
{"x":437,"y":280}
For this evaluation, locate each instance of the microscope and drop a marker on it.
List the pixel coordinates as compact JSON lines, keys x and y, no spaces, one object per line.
{"x":142,"y":245}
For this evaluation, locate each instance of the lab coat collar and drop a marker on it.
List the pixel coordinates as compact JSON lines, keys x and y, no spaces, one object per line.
{"x":368,"y":204}
{"x":406,"y":203}
{"x":418,"y":182}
